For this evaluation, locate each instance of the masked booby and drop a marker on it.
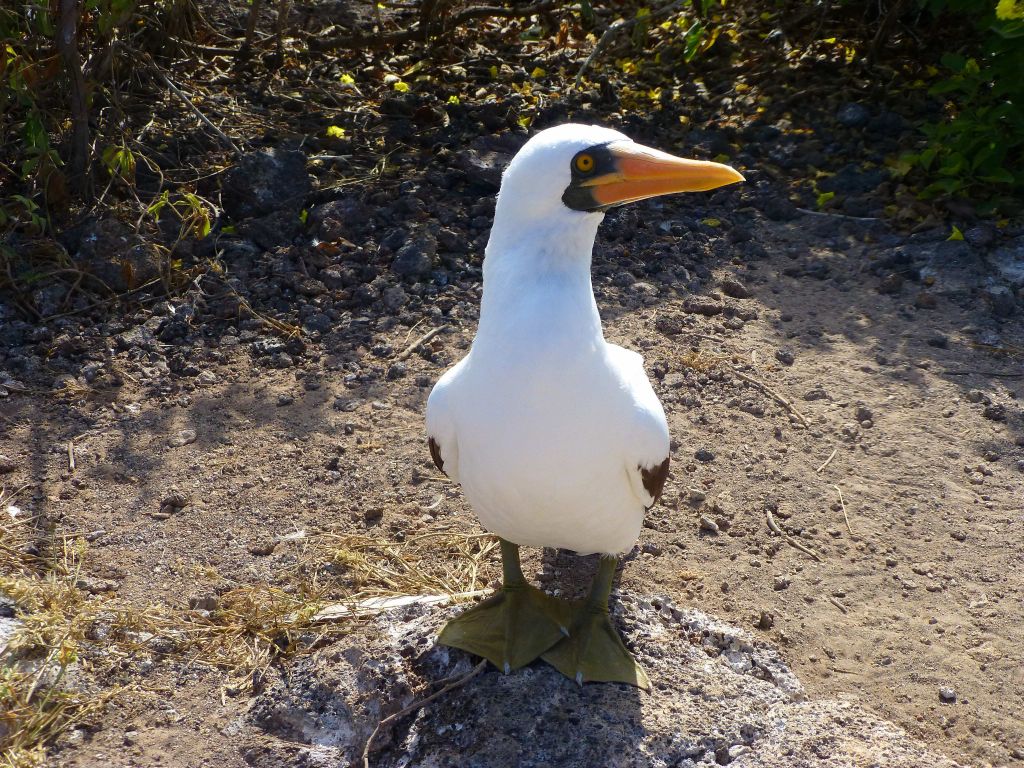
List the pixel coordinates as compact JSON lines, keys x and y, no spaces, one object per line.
{"x":556,"y":436}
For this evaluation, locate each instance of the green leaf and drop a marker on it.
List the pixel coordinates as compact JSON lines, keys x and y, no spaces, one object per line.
{"x":587,"y":13}
{"x":953,"y":61}
{"x":946,"y":86}
{"x":824,"y":197}
{"x":956,"y":234}
{"x":641,"y":27}
{"x":941,"y":187}
{"x":158,"y":205}
{"x":693,"y":38}
{"x":999,"y":176}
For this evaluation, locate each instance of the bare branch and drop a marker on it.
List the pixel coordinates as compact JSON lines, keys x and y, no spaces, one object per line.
{"x":245,"y":51}
{"x":67,"y":45}
{"x":622,"y":26}
{"x":371,"y":41}
{"x":188,"y":102}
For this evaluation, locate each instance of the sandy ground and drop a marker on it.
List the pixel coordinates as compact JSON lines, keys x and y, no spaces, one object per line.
{"x":903,"y":492}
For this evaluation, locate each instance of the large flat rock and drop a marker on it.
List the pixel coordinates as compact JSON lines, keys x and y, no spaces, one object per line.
{"x":720,"y":697}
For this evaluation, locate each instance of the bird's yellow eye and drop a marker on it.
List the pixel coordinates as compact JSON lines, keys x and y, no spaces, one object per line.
{"x":584,"y":163}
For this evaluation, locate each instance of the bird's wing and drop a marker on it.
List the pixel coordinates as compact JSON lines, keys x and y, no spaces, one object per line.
{"x":646,"y":439}
{"x":441,"y":433}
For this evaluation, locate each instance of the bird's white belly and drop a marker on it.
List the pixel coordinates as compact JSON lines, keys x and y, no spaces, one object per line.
{"x":540,"y":460}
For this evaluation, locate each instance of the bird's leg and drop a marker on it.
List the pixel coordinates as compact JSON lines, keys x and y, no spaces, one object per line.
{"x":593,"y":651}
{"x":513,"y":626}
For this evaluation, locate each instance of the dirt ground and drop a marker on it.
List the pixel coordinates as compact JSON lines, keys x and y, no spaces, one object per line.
{"x":903,"y":492}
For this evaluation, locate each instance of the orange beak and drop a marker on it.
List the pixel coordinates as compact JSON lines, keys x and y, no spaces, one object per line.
{"x":642,"y":172}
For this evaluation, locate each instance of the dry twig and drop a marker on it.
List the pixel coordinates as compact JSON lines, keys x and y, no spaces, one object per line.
{"x":837,"y":215}
{"x":188,"y":102}
{"x":417,"y":705}
{"x":828,"y":460}
{"x":774,"y":526}
{"x":842,"y":503}
{"x":773,"y":395}
{"x":838,"y":605}
{"x":421,"y":341}
{"x":997,"y":374}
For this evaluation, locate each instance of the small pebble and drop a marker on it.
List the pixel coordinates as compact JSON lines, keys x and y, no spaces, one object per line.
{"x":784,"y":356}
{"x":704,"y":455}
{"x":925,"y":300}
{"x":708,"y":525}
{"x":175,"y":499}
{"x":7,"y":464}
{"x":765,"y":621}
{"x":204,"y":603}
{"x":816,"y":393}
{"x":995,"y":412}
{"x":263,"y":548}
{"x":695,"y":495}
{"x":184,"y":437}
{"x":734,"y":288}
{"x":947,"y":695}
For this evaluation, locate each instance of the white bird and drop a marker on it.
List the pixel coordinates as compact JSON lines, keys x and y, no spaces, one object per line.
{"x":556,"y":436}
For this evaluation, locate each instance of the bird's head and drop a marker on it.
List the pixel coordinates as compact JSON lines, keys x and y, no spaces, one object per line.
{"x":575,"y":172}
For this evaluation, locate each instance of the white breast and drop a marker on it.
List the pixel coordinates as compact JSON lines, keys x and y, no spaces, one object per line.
{"x":548,"y":428}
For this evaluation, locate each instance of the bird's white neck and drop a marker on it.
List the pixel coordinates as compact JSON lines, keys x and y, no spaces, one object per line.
{"x":537,"y":282}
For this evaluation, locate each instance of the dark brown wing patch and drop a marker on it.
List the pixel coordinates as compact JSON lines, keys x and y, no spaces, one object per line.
{"x":654,"y":480}
{"x":435,"y":454}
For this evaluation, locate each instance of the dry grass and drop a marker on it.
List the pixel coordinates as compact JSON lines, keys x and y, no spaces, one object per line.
{"x":70,"y":644}
{"x":441,"y":562}
{"x":700,"y":360}
{"x":35,"y":704}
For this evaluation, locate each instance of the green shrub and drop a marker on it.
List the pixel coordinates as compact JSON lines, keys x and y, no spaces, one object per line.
{"x":977,"y":151}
